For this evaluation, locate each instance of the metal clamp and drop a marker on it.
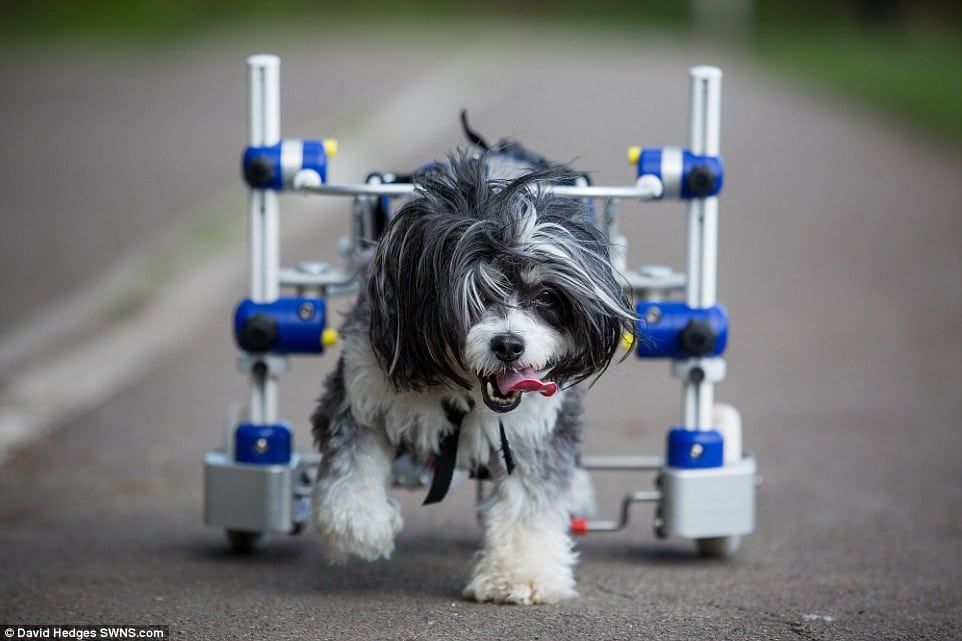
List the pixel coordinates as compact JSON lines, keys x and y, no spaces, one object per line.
{"x":268,"y":365}
{"x":696,"y":370}
{"x":683,"y":173}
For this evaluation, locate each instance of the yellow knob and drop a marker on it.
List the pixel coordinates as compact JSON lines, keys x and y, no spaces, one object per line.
{"x":329,"y":337}
{"x":330,"y":147}
{"x":628,"y":341}
{"x":634,"y":154}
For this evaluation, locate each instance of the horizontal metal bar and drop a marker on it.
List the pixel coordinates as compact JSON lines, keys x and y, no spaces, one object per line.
{"x":603,"y":526}
{"x":291,"y":277}
{"x":359,"y":189}
{"x":644,"y":190}
{"x":643,"y":496}
{"x":648,"y":188}
{"x":625,"y":463}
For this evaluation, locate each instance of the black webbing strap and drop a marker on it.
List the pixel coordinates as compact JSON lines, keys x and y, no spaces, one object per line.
{"x":447,"y":458}
{"x":506,"y":450}
{"x":444,"y":464}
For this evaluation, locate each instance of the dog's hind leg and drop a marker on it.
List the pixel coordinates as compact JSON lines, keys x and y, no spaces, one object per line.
{"x":352,"y":511}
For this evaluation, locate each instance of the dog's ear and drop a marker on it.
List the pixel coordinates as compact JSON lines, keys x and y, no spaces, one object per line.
{"x":601,"y":313}
{"x":597,"y":330}
{"x":414,"y":328}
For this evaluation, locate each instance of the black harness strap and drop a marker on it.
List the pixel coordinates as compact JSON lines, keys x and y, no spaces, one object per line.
{"x":444,"y":464}
{"x":506,"y":450}
{"x":447,"y":458}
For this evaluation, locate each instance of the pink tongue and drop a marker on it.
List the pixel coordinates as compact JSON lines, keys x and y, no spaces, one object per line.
{"x":525,"y":381}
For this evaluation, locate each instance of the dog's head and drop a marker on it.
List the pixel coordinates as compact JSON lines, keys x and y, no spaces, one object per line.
{"x":494,"y":282}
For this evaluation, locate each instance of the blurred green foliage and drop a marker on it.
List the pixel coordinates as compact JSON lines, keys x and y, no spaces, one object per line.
{"x":915,"y":76}
{"x":897,"y":55}
{"x":160,"y":20}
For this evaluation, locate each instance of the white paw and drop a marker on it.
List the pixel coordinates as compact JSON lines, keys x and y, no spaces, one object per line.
{"x":516,"y":589}
{"x":361,"y":525}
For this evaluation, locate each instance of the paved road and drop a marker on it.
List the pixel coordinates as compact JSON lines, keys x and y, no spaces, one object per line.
{"x":840,"y":262}
{"x":103,"y":152}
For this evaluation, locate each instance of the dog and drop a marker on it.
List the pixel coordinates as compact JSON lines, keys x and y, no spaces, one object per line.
{"x":488,"y":305}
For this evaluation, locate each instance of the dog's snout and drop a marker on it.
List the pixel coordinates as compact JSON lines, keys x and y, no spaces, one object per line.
{"x":507,"y":347}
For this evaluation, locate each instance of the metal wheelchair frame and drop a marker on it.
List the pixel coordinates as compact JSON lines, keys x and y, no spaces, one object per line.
{"x":705,"y":485}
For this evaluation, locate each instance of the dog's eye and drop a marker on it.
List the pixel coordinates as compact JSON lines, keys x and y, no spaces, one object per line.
{"x":546,"y":298}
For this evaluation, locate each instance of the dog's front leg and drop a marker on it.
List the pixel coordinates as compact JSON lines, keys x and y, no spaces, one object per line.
{"x":353,"y":513}
{"x":527,"y":555}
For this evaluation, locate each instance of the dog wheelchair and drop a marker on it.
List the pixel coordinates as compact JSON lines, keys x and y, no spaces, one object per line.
{"x":258,"y":483}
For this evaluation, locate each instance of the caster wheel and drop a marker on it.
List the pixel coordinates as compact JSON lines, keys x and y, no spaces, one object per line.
{"x":720,"y":547}
{"x":242,"y":542}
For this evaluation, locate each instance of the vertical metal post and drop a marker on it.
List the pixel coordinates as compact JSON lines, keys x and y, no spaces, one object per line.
{"x":702,"y":250}
{"x":264,"y":102}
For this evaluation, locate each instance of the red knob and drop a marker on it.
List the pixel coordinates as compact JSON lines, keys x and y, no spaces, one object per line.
{"x":579,"y":526}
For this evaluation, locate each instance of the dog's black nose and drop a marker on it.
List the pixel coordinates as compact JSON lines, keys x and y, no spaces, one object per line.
{"x":507,"y":347}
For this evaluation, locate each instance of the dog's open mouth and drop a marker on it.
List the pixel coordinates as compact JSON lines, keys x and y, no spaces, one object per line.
{"x":502,"y":392}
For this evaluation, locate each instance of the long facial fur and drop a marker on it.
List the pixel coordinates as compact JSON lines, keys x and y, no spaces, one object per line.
{"x":468,"y":245}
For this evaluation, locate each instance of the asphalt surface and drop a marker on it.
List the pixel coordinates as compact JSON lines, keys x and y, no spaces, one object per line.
{"x":106,"y":151}
{"x":839,"y":261}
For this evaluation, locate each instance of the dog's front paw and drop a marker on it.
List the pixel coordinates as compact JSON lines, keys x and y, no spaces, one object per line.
{"x":509,"y":583}
{"x":362,"y":526}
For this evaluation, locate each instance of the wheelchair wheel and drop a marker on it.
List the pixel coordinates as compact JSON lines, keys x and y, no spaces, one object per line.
{"x":719,"y":547}
{"x":242,"y":542}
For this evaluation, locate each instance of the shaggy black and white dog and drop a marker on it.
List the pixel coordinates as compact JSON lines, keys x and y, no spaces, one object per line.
{"x":486,"y":302}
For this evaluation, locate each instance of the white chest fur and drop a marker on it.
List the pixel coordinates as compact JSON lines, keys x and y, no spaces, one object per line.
{"x":417,"y":419}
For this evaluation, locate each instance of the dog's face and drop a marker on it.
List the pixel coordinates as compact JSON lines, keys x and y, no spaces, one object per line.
{"x":494,"y":283}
